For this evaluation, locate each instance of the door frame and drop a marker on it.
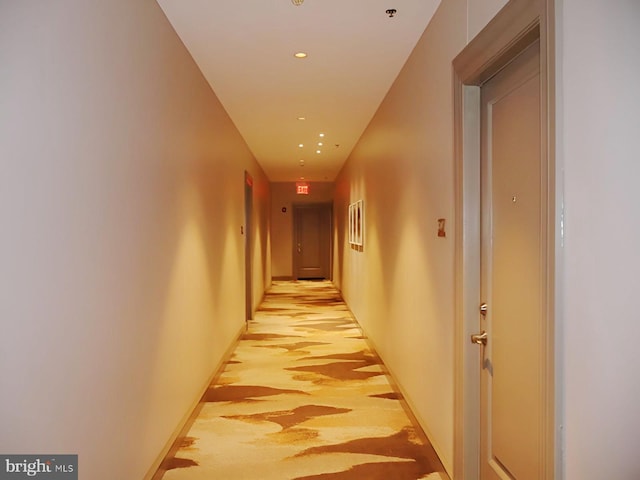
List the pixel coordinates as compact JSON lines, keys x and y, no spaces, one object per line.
{"x":248,"y":230}
{"x":296,"y":207}
{"x":514,"y":28}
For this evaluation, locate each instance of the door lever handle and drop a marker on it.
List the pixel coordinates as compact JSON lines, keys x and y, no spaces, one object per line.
{"x":479,"y":338}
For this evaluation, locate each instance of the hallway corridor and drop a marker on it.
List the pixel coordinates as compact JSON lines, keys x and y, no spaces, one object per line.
{"x":302,"y":397}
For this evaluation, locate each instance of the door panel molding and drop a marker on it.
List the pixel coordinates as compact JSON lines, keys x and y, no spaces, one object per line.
{"x":513,"y":29}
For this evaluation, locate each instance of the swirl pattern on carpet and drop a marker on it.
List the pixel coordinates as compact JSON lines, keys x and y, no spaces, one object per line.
{"x":303,"y":398}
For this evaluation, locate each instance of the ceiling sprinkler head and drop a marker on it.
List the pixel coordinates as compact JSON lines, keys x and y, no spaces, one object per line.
{"x":391,"y":12}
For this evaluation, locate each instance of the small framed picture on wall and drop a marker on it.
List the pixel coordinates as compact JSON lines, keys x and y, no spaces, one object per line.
{"x":359,"y":223}
{"x":356,"y":223}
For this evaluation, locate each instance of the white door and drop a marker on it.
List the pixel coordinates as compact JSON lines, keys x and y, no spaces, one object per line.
{"x":512,"y":273}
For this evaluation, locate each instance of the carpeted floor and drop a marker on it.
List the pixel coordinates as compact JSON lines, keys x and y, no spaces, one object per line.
{"x":303,"y":398}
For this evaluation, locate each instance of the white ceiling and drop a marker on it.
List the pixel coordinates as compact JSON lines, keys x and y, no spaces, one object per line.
{"x":245,"y":50}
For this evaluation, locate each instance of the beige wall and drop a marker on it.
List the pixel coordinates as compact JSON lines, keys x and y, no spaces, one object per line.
{"x":479,"y":13}
{"x":121,"y":201}
{"x":283,"y":195}
{"x":401,"y":286}
{"x":599,"y":153}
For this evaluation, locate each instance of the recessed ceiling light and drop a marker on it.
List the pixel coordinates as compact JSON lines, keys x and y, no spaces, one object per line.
{"x":302,"y":118}
{"x":318,"y":151}
{"x":301,"y":145}
{"x":319,"y":144}
{"x":322,"y":134}
{"x":300,"y":55}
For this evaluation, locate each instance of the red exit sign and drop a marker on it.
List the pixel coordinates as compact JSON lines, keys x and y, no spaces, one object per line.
{"x":302,"y":188}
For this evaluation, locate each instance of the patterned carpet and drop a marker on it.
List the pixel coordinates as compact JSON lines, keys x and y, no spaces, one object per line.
{"x":303,"y":398}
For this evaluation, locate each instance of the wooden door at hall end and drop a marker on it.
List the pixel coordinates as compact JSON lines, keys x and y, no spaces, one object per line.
{"x":312,"y":241}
